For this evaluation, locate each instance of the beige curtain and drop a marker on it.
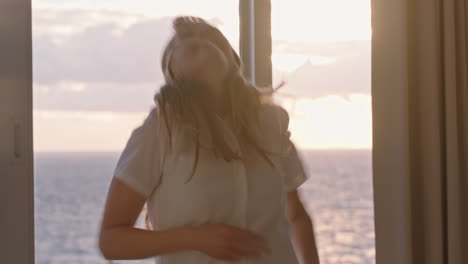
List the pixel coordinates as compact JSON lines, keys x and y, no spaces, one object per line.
{"x":420,"y":119}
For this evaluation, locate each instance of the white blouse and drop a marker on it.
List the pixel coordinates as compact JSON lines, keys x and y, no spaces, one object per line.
{"x":249,"y":194}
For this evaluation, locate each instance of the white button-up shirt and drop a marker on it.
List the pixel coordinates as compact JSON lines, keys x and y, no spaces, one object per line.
{"x":249,"y":194}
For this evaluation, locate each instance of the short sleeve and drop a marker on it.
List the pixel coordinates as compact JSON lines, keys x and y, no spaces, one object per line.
{"x":292,"y":163}
{"x":139,"y":165}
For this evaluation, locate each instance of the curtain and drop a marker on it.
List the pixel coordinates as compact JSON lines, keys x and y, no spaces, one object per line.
{"x":420,"y":130}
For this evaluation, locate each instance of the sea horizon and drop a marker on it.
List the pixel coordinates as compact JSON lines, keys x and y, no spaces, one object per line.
{"x":70,"y":190}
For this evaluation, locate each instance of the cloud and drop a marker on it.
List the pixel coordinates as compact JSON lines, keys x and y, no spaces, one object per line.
{"x":102,"y":96}
{"x":59,"y":22}
{"x":95,"y":60}
{"x":347,"y":71}
{"x":102,"y":51}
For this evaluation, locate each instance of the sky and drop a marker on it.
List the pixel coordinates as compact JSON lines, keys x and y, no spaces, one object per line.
{"x":96,"y":68}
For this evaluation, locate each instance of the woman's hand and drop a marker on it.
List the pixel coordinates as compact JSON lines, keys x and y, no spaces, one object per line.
{"x":228,"y":243}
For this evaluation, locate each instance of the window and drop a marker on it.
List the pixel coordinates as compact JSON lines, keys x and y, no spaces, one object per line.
{"x":63,"y":36}
{"x":97,"y":67}
{"x":322,"y":50}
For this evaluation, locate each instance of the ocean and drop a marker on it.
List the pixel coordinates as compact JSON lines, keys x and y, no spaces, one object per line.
{"x":70,"y":191}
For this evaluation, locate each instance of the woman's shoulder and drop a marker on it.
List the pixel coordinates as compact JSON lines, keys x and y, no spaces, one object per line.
{"x":151,"y":120}
{"x":273,"y":127}
{"x":153,"y":124}
{"x":274,"y":114}
{"x":166,"y":130}
{"x":156,"y":118}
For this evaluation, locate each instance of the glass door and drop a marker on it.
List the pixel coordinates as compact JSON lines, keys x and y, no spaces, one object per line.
{"x":96,"y":69}
{"x":322,"y":50}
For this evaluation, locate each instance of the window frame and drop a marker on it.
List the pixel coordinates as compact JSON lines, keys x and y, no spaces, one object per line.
{"x":16,"y":141}
{"x":16,"y":116}
{"x":16,"y":113}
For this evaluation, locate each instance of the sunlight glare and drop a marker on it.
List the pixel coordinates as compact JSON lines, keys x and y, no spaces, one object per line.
{"x":320,"y":21}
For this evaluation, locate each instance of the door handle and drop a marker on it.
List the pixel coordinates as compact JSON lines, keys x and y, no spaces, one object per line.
{"x":17,"y":140}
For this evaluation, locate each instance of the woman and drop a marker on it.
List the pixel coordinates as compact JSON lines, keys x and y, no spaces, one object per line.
{"x":213,"y":162}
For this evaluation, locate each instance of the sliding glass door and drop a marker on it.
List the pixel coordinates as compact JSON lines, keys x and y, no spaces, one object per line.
{"x":97,"y":67}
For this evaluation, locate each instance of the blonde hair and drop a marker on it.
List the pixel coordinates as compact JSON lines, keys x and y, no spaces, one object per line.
{"x":185,"y":102}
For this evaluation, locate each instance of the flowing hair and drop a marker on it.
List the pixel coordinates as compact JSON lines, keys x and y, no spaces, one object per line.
{"x":187,"y":103}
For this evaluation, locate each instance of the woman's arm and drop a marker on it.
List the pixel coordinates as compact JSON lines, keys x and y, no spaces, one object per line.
{"x":118,"y":238}
{"x":302,"y":235}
